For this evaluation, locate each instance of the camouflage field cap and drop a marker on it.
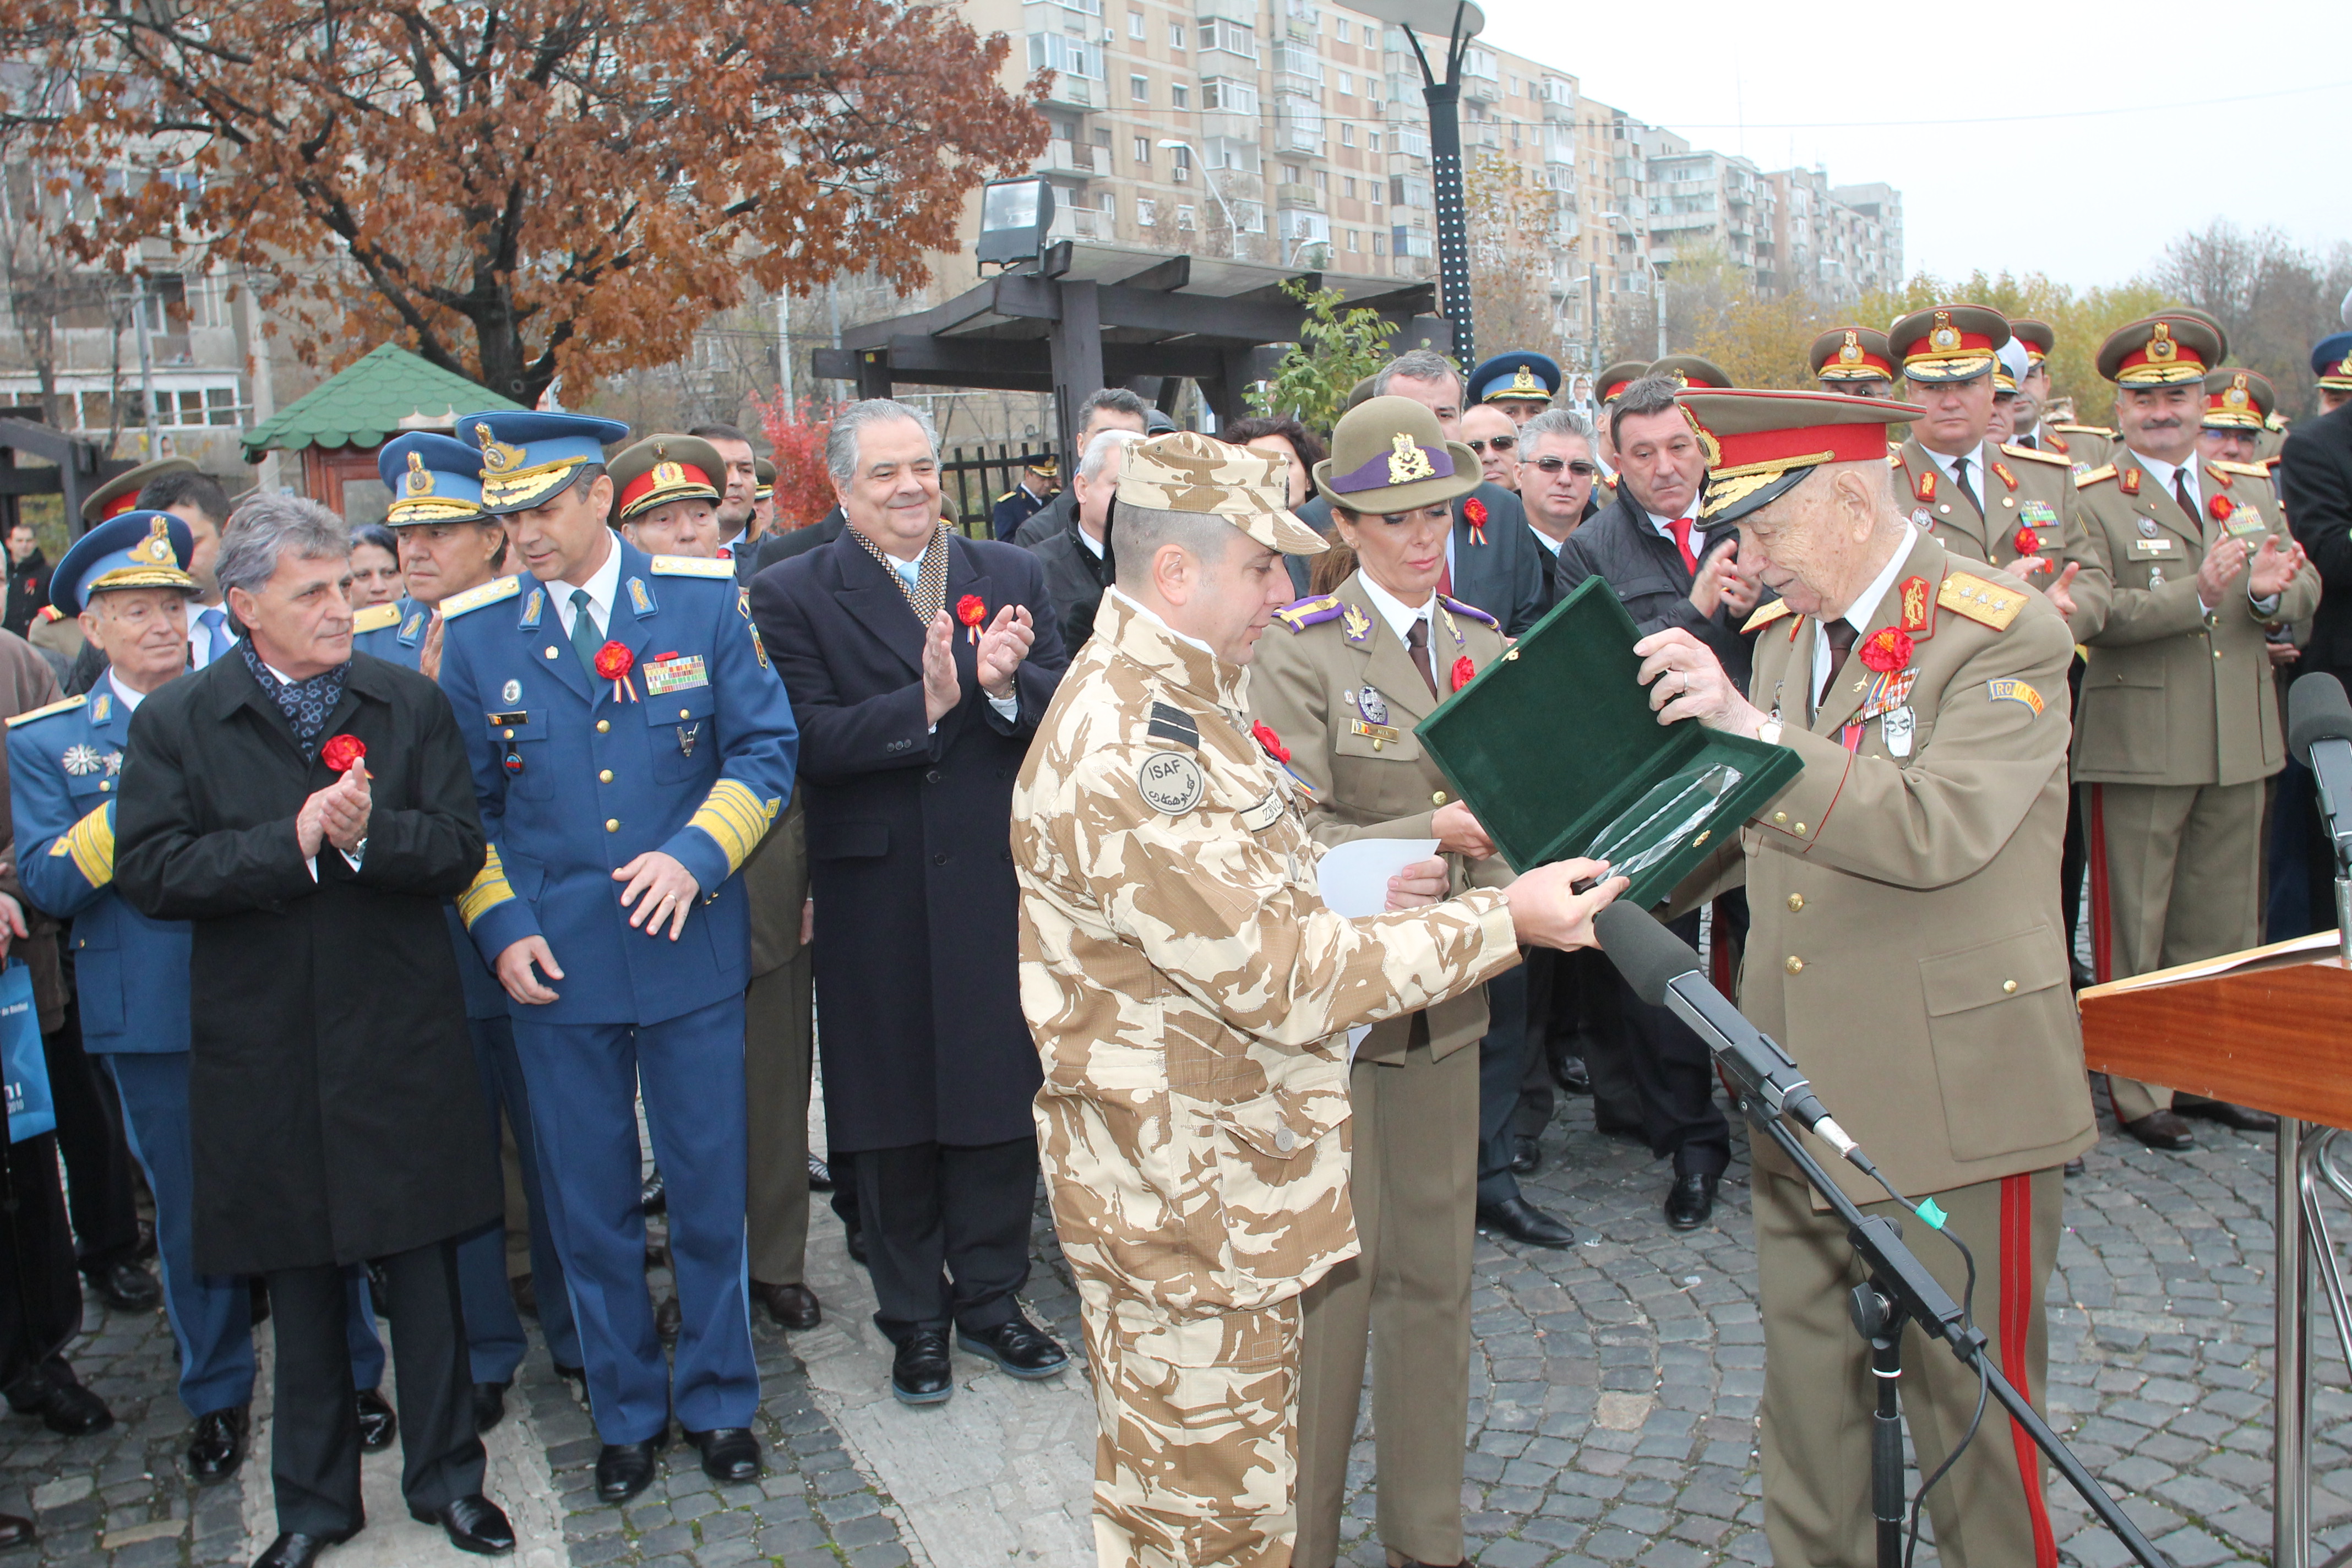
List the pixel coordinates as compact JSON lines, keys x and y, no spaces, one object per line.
{"x":1187,"y":471}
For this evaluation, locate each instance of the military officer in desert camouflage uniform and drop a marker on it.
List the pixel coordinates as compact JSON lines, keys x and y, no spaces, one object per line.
{"x":1190,"y":992}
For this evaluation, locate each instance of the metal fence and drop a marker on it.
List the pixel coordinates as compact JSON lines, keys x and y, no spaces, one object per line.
{"x":971,"y":479}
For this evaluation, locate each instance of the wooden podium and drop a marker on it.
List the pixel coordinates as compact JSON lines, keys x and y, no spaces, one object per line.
{"x":2270,"y":1028}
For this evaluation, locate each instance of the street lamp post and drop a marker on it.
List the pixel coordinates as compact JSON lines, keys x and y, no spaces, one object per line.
{"x":1458,"y":23}
{"x":1232,"y":227}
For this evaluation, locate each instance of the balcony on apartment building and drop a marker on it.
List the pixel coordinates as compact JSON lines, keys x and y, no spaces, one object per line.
{"x":1301,"y":20}
{"x":1068,"y":158}
{"x":1298,"y":71}
{"x":1074,"y":222}
{"x":1559,"y":99}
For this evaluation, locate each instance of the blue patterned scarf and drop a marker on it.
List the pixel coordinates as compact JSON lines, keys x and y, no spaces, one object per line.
{"x":305,"y":703}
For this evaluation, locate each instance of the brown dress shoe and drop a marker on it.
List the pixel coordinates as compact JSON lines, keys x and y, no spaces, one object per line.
{"x":793,"y":1306}
{"x":2162,"y":1129}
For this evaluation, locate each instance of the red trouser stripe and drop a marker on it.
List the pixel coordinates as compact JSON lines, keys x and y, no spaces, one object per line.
{"x":1718,"y":954}
{"x":2016,"y":1338}
{"x":2102,"y":916}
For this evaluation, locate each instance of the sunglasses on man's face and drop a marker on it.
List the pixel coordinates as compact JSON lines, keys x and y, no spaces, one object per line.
{"x":1576,"y":466}
{"x":1500,"y":444}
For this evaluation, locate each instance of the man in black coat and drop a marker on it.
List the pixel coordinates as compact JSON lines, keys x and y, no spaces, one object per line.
{"x":918,"y":663}
{"x":309,"y":810}
{"x":1667,"y":573}
{"x":2314,"y":474}
{"x":1079,"y":562}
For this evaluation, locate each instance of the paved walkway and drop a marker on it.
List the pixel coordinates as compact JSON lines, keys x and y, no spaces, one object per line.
{"x":1614,"y":1390}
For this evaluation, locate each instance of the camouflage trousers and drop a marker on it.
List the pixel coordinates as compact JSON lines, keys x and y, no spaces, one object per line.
{"x":1196,"y":1455}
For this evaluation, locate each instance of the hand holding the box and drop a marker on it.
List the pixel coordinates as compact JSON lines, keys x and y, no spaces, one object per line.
{"x":1546,"y":911}
{"x":1685,"y":681}
{"x":1457,"y":830}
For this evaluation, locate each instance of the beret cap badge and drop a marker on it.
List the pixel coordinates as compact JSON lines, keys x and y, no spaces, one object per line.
{"x":1408,"y":462}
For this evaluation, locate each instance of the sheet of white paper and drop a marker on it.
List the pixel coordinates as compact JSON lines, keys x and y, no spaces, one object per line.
{"x":1354,"y":879}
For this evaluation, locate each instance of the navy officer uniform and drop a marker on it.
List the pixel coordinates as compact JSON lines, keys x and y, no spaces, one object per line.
{"x":1019,"y":504}
{"x":692,"y":753}
{"x":436,"y":479}
{"x":131,"y":979}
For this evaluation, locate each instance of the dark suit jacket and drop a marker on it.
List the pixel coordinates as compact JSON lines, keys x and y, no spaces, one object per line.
{"x":2315,"y":484}
{"x":909,"y":847}
{"x":336,"y":1111}
{"x":794,"y":541}
{"x":1648,"y":572}
{"x":1048,"y":520}
{"x":1503,"y":576}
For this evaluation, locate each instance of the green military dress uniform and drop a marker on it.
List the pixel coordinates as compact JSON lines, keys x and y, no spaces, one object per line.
{"x":2022,"y":488}
{"x":2086,"y":447}
{"x":1341,"y":689}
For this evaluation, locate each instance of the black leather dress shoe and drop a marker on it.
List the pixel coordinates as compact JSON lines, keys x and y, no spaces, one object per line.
{"x":51,"y":1392}
{"x":624,"y":1470}
{"x":2079,"y":974}
{"x":793,"y":1306}
{"x":473,"y":1523}
{"x":820,"y":1175}
{"x":126,"y":1287}
{"x":1573,"y":1076}
{"x":489,"y":1404}
{"x":2162,"y":1129}
{"x":578,"y":1374}
{"x":653,"y":1196}
{"x":292,"y":1549}
{"x":260,"y":1311}
{"x":921,"y":1372}
{"x":1019,"y":1347}
{"x":1523,"y":1222}
{"x":730,"y":1455}
{"x":378,"y":1425}
{"x":669,"y":1318}
{"x":14,"y":1532}
{"x":216,"y":1448}
{"x":2245,"y":1119}
{"x":854,"y":1237}
{"x":2074,"y":1166}
{"x":1690,"y":1202}
{"x":1526,"y":1157}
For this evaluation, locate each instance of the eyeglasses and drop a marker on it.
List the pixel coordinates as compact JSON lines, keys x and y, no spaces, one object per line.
{"x":1500,"y":444}
{"x":1576,"y":466}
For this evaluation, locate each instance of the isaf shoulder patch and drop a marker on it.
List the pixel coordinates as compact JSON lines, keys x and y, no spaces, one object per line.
{"x":1987,"y":603}
{"x":1170,"y":782}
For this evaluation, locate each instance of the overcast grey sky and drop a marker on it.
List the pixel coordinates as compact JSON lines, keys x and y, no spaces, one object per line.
{"x":1907,"y":94}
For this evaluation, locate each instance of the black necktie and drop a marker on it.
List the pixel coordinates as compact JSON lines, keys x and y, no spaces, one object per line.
{"x":2180,"y":493}
{"x":584,"y":642}
{"x":1416,"y":643}
{"x":1840,"y":634}
{"x":1960,"y":477}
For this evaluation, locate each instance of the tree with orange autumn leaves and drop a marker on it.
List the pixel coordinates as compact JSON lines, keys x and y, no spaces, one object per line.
{"x":521,"y":189}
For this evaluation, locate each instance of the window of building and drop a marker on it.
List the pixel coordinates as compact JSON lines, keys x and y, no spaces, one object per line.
{"x":1346,"y":136}
{"x":1179,"y":96}
{"x":1139,"y":87}
{"x":1147,"y":211}
{"x":1342,"y":23}
{"x":1348,"y":189}
{"x":1143,"y":151}
{"x":1346,"y":84}
{"x":1379,"y":243}
{"x":1176,"y":36}
{"x":1232,"y":97}
{"x":1323,"y":180}
{"x":1180,"y":158}
{"x":1291,"y":173}
{"x":1107,"y":203}
{"x":1353,"y":240}
{"x":1375,"y":142}
{"x":1183,"y":218}
{"x":1134,"y":24}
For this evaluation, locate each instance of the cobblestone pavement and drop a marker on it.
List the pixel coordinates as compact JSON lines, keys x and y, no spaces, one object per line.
{"x":1614,"y":1400}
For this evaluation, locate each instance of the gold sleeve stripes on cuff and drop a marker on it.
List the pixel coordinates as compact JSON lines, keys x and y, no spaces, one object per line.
{"x":490,"y":889}
{"x":91,"y":842}
{"x":736,"y":819}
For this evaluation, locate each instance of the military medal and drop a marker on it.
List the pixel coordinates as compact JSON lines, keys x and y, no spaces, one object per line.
{"x":514,"y":761}
{"x":113,"y":761}
{"x":1371,"y":705}
{"x":687,"y":734}
{"x":81,"y":761}
{"x":512,"y":692}
{"x":1922,"y":522}
{"x":2147,"y":527}
{"x":1895,"y":727}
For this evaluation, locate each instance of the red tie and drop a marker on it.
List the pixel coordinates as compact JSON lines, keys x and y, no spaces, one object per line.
{"x":1682,"y":531}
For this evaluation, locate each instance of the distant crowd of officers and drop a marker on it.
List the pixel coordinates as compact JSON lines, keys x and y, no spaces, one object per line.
{"x":669,"y":781}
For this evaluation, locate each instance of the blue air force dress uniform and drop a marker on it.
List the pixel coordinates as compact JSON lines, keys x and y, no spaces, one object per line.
{"x":131,"y":971}
{"x":437,"y":478}
{"x":1520,"y":382}
{"x":690,"y":753}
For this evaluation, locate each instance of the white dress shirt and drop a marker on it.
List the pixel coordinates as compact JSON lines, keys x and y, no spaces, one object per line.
{"x":1858,"y":614}
{"x":128,"y":699}
{"x":1399,"y":615}
{"x":1980,"y":464}
{"x":603,"y":585}
{"x":208,"y":624}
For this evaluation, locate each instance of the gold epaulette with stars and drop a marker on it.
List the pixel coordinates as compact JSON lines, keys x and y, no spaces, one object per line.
{"x":2085,"y":429}
{"x":474,"y":598}
{"x":2084,"y":481}
{"x":1979,"y":600}
{"x":1766,"y":615}
{"x":69,"y":702}
{"x":375,"y":618}
{"x":2035,"y":455}
{"x":1303,"y":612}
{"x":2251,"y":471}
{"x":692,"y":566}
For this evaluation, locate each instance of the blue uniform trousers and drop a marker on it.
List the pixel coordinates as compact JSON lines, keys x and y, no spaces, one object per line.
{"x":494,"y":1333}
{"x":211,"y":1314}
{"x":584,"y":1081}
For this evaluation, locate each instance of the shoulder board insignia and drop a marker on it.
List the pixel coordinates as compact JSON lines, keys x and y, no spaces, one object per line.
{"x":691,"y":566}
{"x":489,"y":593}
{"x":69,"y":702}
{"x":1473,"y":611}
{"x":1000,"y":500}
{"x":375,"y":618}
{"x":2129,"y":478}
{"x":1894,"y":455}
{"x":1307,"y":613}
{"x":2251,"y":471}
{"x":1923,"y":484}
{"x":1766,"y":615}
{"x":48,"y":613}
{"x":2085,"y":429}
{"x":2000,"y":471}
{"x":1174,"y":724}
{"x":1987,"y":603}
{"x":640,"y":598}
{"x":99,"y":707}
{"x":2057,"y":442}
{"x":2034,"y":455}
{"x":2096,"y":475}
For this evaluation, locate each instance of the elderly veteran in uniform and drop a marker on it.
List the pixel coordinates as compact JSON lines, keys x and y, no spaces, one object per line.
{"x":1190,"y":992}
{"x":1520,"y":382}
{"x":1853,"y":361}
{"x":448,"y":546}
{"x":666,"y":502}
{"x":1343,"y":683}
{"x":629,"y":746}
{"x":2178,"y":723}
{"x":1905,"y":949}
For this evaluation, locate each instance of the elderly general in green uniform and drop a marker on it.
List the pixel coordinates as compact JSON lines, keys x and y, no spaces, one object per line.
{"x":1344,"y":682}
{"x":1191,"y":994}
{"x":1905,"y":949}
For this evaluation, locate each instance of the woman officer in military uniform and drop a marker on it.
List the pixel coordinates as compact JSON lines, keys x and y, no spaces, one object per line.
{"x":1343,"y":686}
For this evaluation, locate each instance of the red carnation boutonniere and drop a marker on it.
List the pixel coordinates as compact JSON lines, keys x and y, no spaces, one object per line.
{"x":2027,"y":542}
{"x":1886,"y":649}
{"x":343,"y":753}
{"x":1462,"y":673}
{"x":1270,"y":740}
{"x":971,"y":610}
{"x":2220,"y":509}
{"x":1475,"y":511}
{"x":614,"y":663}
